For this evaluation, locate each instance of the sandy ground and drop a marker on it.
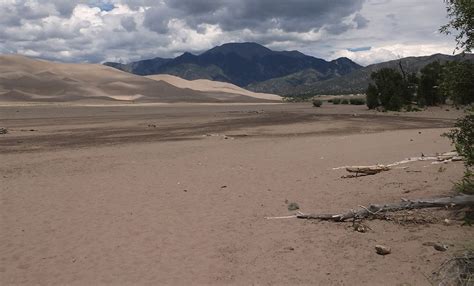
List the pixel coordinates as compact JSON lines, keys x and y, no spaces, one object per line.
{"x":178,"y":195}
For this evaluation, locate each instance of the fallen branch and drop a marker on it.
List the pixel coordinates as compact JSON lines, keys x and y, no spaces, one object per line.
{"x":365,"y":170}
{"x":375,"y":169}
{"x":374,"y":209}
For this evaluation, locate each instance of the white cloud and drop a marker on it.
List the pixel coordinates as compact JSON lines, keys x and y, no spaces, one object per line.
{"x":387,"y":53}
{"x":138,"y":29}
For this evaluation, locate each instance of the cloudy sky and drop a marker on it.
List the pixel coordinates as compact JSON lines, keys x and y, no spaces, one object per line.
{"x":366,"y":31}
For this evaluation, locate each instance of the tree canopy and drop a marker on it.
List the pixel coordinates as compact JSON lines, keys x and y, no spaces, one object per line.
{"x":461,"y":15}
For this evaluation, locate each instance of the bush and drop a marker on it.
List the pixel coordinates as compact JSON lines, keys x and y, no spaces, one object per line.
{"x":336,"y":101}
{"x":357,"y":101}
{"x":463,"y":139}
{"x":317,"y":103}
{"x":372,"y":97}
{"x":344,"y":101}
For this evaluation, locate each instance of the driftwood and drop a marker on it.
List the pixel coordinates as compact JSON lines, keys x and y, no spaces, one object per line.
{"x":361,"y":171}
{"x":374,"y":210}
{"x":365,"y":170}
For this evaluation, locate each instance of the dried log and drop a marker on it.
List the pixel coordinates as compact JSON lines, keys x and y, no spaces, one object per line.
{"x":374,"y":209}
{"x":361,"y":171}
{"x":368,"y":169}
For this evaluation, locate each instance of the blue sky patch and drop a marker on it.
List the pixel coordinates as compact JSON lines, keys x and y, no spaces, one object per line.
{"x":359,"y":49}
{"x":102,"y":5}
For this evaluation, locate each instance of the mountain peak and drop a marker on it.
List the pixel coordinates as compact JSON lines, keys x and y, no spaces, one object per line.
{"x":247,"y":50}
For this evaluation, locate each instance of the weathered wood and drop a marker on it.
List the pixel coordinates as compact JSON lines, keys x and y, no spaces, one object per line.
{"x":368,"y":169}
{"x":361,"y":171}
{"x":374,"y":209}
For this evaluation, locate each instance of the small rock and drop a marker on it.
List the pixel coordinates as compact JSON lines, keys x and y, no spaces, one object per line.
{"x":223,"y":187}
{"x":359,"y":227}
{"x":447,"y":221}
{"x":440,"y":247}
{"x":383,"y":250}
{"x":289,"y":248}
{"x":3,"y":131}
{"x":293,"y":207}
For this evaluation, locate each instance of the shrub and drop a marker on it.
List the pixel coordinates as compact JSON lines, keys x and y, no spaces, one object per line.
{"x":372,"y":97}
{"x":345,"y":101}
{"x":463,"y":139}
{"x":317,"y":103}
{"x":336,"y":101}
{"x":357,"y":101}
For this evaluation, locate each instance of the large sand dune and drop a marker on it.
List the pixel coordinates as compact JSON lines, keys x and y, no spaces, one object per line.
{"x":26,"y":79}
{"x":211,"y":86}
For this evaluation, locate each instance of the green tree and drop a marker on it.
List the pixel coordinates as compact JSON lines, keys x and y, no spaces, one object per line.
{"x":428,"y":88}
{"x":461,"y":15}
{"x":372,"y":96}
{"x":392,"y":88}
{"x":458,"y":82}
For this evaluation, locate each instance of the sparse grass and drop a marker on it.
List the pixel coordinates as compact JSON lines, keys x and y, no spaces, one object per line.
{"x":466,"y":185}
{"x":411,"y":108}
{"x":336,"y":101}
{"x":357,"y":101}
{"x":458,"y":270}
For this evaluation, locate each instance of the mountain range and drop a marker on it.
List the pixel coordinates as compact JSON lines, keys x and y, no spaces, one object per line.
{"x":257,"y":68}
{"x":354,"y":82}
{"x":242,"y":64}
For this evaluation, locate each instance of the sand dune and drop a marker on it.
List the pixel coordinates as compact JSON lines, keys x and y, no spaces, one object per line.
{"x":26,"y":79}
{"x":211,"y":86}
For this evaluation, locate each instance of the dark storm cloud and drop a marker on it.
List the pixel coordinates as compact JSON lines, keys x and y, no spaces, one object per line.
{"x":232,"y":15}
{"x":128,"y":30}
{"x":361,"y":21}
{"x":129,"y":24}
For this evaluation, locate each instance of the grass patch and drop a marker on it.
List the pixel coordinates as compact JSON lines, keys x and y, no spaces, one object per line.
{"x":357,"y":101}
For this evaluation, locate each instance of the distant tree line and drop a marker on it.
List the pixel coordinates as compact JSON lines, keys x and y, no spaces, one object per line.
{"x":436,"y":82}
